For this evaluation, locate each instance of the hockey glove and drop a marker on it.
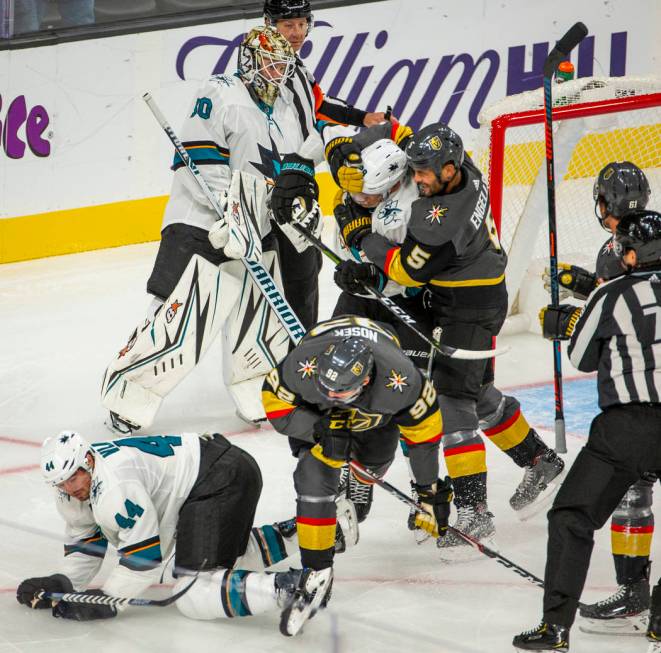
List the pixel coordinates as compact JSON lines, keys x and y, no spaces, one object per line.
{"x":84,"y":611}
{"x":578,"y":281}
{"x":345,"y":163}
{"x":354,"y":223}
{"x":558,"y":322}
{"x":401,"y":134}
{"x":434,"y":499}
{"x":296,"y":179}
{"x":26,"y":591}
{"x":357,"y":278}
{"x":333,"y":434}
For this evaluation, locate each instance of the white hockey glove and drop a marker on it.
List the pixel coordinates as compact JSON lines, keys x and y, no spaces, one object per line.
{"x":219,"y":232}
{"x":245,"y":201}
{"x":309,"y":220}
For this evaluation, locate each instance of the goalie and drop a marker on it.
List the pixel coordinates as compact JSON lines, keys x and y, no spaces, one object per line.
{"x":237,"y":124}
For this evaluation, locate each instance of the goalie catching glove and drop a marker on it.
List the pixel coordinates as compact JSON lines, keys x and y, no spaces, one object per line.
{"x":345,"y":163}
{"x":435,"y":501}
{"x":354,"y":222}
{"x":296,"y":179}
{"x":558,"y":322}
{"x":576,"y":281}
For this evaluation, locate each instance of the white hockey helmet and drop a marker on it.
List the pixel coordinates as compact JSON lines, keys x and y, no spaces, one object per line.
{"x":384,"y":164}
{"x":62,"y":456}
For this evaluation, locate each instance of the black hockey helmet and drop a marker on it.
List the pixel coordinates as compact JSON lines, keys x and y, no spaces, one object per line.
{"x":640,"y":231}
{"x":623,"y":187}
{"x":434,"y":146}
{"x":275,"y":10}
{"x":344,"y":369}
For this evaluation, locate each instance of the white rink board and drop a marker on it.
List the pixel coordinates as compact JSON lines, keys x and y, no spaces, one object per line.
{"x":105,"y":146}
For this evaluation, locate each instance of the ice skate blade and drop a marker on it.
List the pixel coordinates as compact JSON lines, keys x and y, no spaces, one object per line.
{"x":544,"y":499}
{"x":466,"y":552}
{"x":628,"y":626}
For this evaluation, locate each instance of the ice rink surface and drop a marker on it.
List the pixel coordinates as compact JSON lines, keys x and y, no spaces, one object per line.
{"x":64,"y":318}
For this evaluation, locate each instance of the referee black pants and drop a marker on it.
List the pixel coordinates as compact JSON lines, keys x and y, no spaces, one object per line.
{"x":624,"y":443}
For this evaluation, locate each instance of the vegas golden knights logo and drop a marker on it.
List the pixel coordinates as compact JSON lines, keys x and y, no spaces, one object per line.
{"x":364,"y":421}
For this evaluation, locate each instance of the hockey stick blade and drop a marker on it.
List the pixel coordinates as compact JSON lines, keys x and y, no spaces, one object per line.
{"x":563,"y":47}
{"x":490,"y":553}
{"x":402,"y":315}
{"x":79,"y":597}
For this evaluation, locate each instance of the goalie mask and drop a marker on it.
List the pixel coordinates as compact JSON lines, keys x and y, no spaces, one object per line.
{"x":623,"y":187}
{"x":640,"y":231}
{"x":63,"y":455}
{"x":344,"y":369}
{"x":266,"y":62}
{"x":384,"y":164}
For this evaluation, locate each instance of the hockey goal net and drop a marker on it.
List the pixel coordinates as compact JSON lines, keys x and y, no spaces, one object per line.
{"x":596,"y":120}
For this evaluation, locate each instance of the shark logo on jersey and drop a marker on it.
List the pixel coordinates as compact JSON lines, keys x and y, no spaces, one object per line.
{"x":270,"y":163}
{"x":307,"y":367}
{"x":171,"y":313}
{"x":95,"y":490}
{"x":397,"y":381}
{"x":436,"y":213}
{"x":227,"y":80}
{"x":389,"y":213}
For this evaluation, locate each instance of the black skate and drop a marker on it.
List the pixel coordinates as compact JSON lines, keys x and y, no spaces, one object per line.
{"x":654,"y":627}
{"x":546,"y":637}
{"x":301,"y":593}
{"x":539,"y":485}
{"x":475,"y":521}
{"x":361,"y":494}
{"x":120,"y":425}
{"x":623,"y":613}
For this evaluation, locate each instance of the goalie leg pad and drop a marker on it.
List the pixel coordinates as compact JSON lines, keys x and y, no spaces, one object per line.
{"x":163,"y":350}
{"x":254,"y":340}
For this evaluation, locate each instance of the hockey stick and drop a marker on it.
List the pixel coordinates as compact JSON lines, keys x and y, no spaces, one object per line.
{"x":562,"y":48}
{"x":78,"y":597}
{"x":257,"y":271}
{"x":397,"y":493}
{"x":401,"y":314}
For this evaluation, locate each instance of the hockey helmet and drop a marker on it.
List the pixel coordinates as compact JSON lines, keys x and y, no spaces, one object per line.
{"x":344,"y":369}
{"x":623,"y":187}
{"x":384,"y":164}
{"x":435,"y":146}
{"x":266,"y":62}
{"x":275,"y":10}
{"x":63,"y":455}
{"x":640,"y":231}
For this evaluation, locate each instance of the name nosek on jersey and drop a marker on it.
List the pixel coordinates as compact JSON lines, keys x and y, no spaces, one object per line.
{"x":361,"y":332}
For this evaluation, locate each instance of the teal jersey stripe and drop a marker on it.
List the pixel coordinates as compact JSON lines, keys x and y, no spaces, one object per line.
{"x":202,"y":155}
{"x":277,"y":551}
{"x":233,"y":593}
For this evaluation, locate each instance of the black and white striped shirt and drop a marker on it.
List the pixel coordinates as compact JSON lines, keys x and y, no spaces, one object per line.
{"x":619,"y":335}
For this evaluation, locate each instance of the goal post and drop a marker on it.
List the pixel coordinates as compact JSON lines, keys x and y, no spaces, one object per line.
{"x":595,"y":121}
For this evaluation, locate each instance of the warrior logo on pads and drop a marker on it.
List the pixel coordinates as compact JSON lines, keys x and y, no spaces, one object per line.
{"x":397,"y":381}
{"x":171,"y":313}
{"x":307,"y":368}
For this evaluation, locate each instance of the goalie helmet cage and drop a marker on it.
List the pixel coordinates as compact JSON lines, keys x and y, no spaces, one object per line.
{"x":595,"y":121}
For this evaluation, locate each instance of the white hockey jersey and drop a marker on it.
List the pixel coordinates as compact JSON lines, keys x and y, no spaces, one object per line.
{"x":227,"y":130}
{"x":138,"y":487}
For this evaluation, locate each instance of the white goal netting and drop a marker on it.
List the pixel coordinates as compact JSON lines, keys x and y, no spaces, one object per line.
{"x":598,"y":120}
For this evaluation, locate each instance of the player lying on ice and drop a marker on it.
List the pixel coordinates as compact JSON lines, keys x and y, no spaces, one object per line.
{"x":346,"y":393}
{"x":139,"y":493}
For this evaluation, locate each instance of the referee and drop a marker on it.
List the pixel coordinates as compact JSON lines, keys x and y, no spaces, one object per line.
{"x":619,"y":335}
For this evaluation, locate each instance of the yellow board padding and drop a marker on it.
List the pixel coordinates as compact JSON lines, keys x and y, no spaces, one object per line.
{"x":79,"y":230}
{"x":98,"y":227}
{"x":641,"y":145}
